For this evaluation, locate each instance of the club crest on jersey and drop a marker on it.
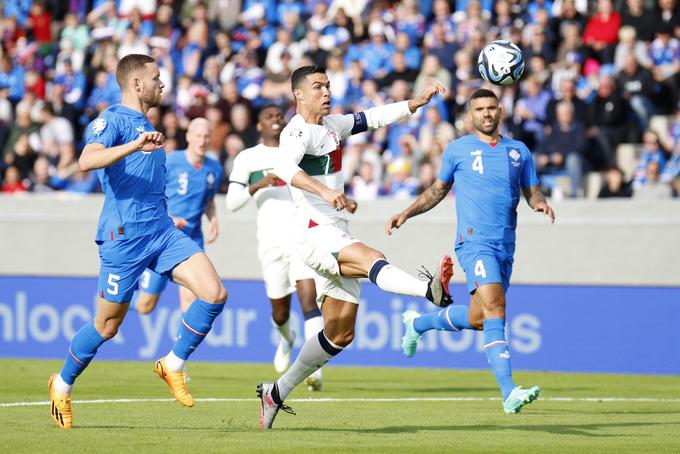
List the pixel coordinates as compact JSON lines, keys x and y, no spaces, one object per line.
{"x":295,"y":133}
{"x":140,"y":129}
{"x":210,"y":179}
{"x":514,"y":154}
{"x":98,"y":125}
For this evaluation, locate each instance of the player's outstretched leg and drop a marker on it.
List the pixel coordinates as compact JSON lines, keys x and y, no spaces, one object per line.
{"x":199,"y":276}
{"x":451,"y":318}
{"x":359,"y":260}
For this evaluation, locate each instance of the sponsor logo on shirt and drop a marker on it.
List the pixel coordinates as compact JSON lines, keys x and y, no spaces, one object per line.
{"x":295,"y":132}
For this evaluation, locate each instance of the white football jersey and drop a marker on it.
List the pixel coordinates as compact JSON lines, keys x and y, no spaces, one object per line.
{"x":317,"y":149}
{"x":274,"y":203}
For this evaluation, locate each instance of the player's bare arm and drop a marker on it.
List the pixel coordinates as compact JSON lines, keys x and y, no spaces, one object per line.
{"x":96,"y":156}
{"x":269,"y":180}
{"x":336,"y":199}
{"x":425,"y":96}
{"x":213,"y":226}
{"x":425,"y":202}
{"x":537,"y":202}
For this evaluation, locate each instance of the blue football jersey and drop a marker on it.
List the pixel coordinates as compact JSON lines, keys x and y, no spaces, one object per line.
{"x":190,"y":188}
{"x":134,"y":187}
{"x":488,"y":182}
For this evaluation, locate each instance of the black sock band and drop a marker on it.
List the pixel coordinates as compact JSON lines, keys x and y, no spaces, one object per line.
{"x":312,"y":314}
{"x":326,"y":345}
{"x":375,"y":270}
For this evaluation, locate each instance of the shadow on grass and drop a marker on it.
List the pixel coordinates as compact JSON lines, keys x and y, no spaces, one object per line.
{"x":586,"y":430}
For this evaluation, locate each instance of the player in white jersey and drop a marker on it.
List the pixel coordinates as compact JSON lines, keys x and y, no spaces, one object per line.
{"x":310,"y":162}
{"x":282,"y":269}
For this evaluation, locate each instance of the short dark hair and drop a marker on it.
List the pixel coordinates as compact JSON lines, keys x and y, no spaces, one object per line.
{"x":267,"y":106}
{"x":300,"y":74}
{"x":483,"y":93}
{"x":130,"y":64}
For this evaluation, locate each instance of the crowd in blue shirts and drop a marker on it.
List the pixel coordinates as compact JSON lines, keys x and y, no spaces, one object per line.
{"x":605,"y":72}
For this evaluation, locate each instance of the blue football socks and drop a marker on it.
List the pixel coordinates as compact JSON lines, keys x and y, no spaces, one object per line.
{"x":196,"y":324}
{"x":496,"y":349}
{"x":81,"y":351}
{"x":452,"y":318}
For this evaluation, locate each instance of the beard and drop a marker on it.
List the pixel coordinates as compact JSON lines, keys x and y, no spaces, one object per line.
{"x":152,"y":99}
{"x":488,"y":130}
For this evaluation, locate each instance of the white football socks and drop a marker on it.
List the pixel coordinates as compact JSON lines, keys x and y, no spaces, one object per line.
{"x":393,"y":280}
{"x":173,"y":362}
{"x":284,"y":330}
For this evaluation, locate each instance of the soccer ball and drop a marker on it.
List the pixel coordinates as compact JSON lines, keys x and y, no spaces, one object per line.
{"x":501,"y":62}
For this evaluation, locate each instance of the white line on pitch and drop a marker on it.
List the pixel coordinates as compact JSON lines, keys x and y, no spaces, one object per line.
{"x":360,"y":399}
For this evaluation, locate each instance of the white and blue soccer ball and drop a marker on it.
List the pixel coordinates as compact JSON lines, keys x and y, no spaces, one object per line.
{"x":501,"y":62}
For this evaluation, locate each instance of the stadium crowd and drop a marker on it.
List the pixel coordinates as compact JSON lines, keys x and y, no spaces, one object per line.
{"x":600,"y":75}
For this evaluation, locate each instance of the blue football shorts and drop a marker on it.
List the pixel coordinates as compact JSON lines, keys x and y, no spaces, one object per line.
{"x":486,"y":263}
{"x":153,"y":283}
{"x":124,"y":261}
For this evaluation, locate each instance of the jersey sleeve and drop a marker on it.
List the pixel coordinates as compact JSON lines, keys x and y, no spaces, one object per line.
{"x":349,"y":124}
{"x":102,"y":130}
{"x":449,"y":162}
{"x":239,"y":171}
{"x":292,"y":148}
{"x":529,"y":177}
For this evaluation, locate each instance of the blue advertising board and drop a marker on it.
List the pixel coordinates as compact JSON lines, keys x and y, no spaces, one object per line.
{"x":552,"y":328}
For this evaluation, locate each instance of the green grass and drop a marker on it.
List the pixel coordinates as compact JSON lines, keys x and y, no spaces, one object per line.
{"x":339,"y":427}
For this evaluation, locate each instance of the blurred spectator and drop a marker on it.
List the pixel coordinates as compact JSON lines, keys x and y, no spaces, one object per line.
{"x":503,"y":19}
{"x":40,"y":24}
{"x":55,"y":132}
{"x":224,"y":13}
{"x":653,"y":188}
{"x":74,"y":85}
{"x":284,"y":44}
{"x":637,"y":87}
{"x":23,"y":126}
{"x":312,"y":48}
{"x":243,"y":126}
{"x":431,"y":72}
{"x":399,"y":72}
{"x":530,"y":112}
{"x":615,"y":185}
{"x":601,"y":32}
{"x":473,"y":21}
{"x":401,"y":184}
{"x":171,"y":129}
{"x":652,"y":151}
{"x":436,"y":44}
{"x":628,"y":45}
{"x":364,"y":185}
{"x":564,"y":148}
{"x":567,"y":93}
{"x":434,"y":129}
{"x":40,"y":177}
{"x":568,"y":14}
{"x":426,"y":177}
{"x":638,"y":17}
{"x":665,"y":58}
{"x":338,"y":77}
{"x":12,"y":181}
{"x":667,"y":14}
{"x":608,"y":122}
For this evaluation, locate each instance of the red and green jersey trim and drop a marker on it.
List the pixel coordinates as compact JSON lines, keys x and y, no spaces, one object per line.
{"x":324,"y":164}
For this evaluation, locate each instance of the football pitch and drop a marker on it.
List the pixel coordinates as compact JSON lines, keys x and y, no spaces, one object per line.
{"x":124,"y":407}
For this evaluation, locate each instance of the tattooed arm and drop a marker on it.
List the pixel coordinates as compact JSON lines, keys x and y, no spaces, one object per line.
{"x":425,"y":201}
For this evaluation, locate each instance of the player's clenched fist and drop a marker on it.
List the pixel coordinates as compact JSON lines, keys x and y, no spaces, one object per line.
{"x":395,"y":222}
{"x":336,"y":199}
{"x":149,"y":141}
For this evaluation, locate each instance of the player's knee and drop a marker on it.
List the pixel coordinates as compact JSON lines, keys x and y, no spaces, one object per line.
{"x":109,"y":329}
{"x":216,"y":293}
{"x":280,"y":315}
{"x":144,"y":307}
{"x":342,"y":338}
